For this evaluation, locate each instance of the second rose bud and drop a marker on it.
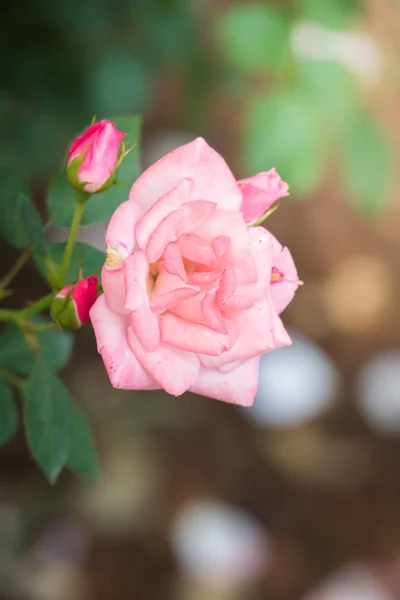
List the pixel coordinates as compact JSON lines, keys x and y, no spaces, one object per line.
{"x":94,"y":157}
{"x":70,"y":308}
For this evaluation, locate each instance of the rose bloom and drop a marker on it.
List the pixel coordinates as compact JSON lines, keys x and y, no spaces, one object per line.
{"x":98,"y":149}
{"x":192,"y":292}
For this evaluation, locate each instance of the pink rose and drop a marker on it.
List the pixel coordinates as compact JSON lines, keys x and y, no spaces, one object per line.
{"x":97,"y":150}
{"x":71,"y":306}
{"x":260,"y":192}
{"x":188,"y":301}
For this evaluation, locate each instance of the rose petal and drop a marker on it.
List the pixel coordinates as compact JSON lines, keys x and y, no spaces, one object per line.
{"x":113,"y":283}
{"x":260,"y":329}
{"x":227,"y":285}
{"x":237,"y":303}
{"x":193,"y":337}
{"x":172,"y":261}
{"x":167,"y":231}
{"x":83,"y":141}
{"x":221,"y":245}
{"x":142,"y":320}
{"x":285,"y":285}
{"x":121,"y":228}
{"x":260,"y":192}
{"x":211,"y":312}
{"x":222,"y":221}
{"x":196,"y":213}
{"x":171,"y":201}
{"x":136,"y":278}
{"x":203,"y":278}
{"x":196,"y":161}
{"x":175,"y":370}
{"x":190,"y":309}
{"x":238,"y":387}
{"x":195,"y":249}
{"x":145,"y":326}
{"x":123,"y":368}
{"x":165,"y":301}
{"x":261,"y":243}
{"x":166,"y":283}
{"x":228,"y":367}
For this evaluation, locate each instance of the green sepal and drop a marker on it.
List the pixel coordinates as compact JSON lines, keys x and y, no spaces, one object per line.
{"x":267,"y":214}
{"x":64,"y":313}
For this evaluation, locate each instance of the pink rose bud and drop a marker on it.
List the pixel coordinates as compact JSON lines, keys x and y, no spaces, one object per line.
{"x":94,"y":158}
{"x":259,"y":193}
{"x":70,"y":308}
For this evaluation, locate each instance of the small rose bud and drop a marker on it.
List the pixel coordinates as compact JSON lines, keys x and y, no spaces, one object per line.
{"x":70,"y":308}
{"x":94,"y":158}
{"x":259,"y":193}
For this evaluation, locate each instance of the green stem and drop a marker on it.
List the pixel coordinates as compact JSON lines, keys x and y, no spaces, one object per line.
{"x":69,"y":248}
{"x":40,"y":327}
{"x":20,"y":316}
{"x":37,"y":307}
{"x":21,"y":261}
{"x":10,"y":316}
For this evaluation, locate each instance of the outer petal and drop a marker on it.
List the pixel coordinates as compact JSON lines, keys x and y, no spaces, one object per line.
{"x":193,"y":337}
{"x":120,"y":240}
{"x":238,"y":387}
{"x":83,"y":141}
{"x":120,"y":233}
{"x":113,"y":283}
{"x":261,"y":330}
{"x":284,"y":279}
{"x":123,"y":368}
{"x":259,"y":192}
{"x":175,"y":370}
{"x":211,"y":175}
{"x":141,"y":319}
{"x":261,"y":243}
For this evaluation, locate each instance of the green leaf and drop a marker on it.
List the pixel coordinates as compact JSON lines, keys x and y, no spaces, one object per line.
{"x":281,"y":131}
{"x":330,"y":88}
{"x":10,"y":187}
{"x":336,"y":14}
{"x":47,"y":417}
{"x":365,"y":164}
{"x":82,"y":458}
{"x":85,"y":256}
{"x":20,"y":223}
{"x":8,"y":414}
{"x":17,"y":356}
{"x":61,"y":200}
{"x":252,"y":37}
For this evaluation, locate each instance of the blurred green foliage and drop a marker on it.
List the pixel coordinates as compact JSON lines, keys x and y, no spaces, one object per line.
{"x":303,"y":115}
{"x":253,"y":37}
{"x":8,"y":413}
{"x":66,"y":61}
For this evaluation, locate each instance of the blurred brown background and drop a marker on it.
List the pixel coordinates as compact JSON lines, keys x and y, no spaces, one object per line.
{"x":199,"y":500}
